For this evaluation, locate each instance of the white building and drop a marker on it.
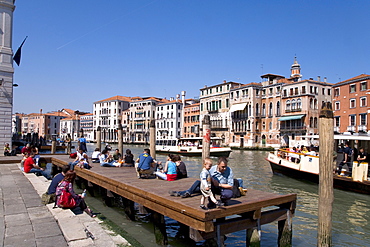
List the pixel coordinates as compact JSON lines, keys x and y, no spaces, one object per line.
{"x":70,"y":125}
{"x":87,"y":126}
{"x":107,"y":114}
{"x":169,"y":118}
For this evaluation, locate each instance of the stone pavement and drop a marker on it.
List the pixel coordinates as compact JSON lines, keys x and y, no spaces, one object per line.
{"x":24,"y":221}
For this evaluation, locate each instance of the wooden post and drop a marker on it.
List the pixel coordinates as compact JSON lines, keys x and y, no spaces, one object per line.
{"x":206,"y":137}
{"x":326,"y":194}
{"x":129,"y":208}
{"x":98,"y":138}
{"x":53,"y":146}
{"x":120,"y":137}
{"x":253,"y":238}
{"x":159,"y":228}
{"x":285,"y":231}
{"x":152,"y":138}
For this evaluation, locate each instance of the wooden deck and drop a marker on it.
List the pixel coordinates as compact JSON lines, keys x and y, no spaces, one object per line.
{"x":249,"y":212}
{"x":256,"y":208}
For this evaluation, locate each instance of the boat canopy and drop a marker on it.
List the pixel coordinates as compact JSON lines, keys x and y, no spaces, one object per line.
{"x":291,"y":117}
{"x":238,"y":107}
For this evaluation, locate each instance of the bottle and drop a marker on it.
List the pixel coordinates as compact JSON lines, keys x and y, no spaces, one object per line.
{"x":83,"y":193}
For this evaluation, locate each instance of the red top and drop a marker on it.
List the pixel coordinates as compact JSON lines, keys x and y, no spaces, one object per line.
{"x":26,"y":150}
{"x":28,"y":164}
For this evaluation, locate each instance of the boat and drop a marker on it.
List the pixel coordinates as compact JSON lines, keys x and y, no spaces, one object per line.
{"x":306,"y":167}
{"x":191,"y":146}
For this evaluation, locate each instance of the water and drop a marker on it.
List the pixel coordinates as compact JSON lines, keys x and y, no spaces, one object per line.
{"x":351,"y":214}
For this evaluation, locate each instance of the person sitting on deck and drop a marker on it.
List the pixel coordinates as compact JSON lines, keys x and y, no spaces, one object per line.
{"x":80,"y":155}
{"x":181,"y":167}
{"x":6,"y":149}
{"x":106,"y":160}
{"x":117,"y":155}
{"x":95,"y":156}
{"x":31,"y":167}
{"x":223,"y":183}
{"x":169,"y":172}
{"x":128,"y":159}
{"x":145,"y":165}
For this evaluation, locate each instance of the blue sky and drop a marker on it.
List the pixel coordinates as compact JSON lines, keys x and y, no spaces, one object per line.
{"x":78,"y":52}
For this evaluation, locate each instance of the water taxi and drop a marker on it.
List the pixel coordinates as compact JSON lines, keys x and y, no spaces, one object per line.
{"x":191,"y":146}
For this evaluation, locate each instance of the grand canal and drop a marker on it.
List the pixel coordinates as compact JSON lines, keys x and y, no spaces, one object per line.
{"x":351,"y":214}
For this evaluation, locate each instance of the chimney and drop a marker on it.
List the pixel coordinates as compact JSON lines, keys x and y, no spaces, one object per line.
{"x":311,"y":79}
{"x":224,"y":81}
{"x":324,"y":79}
{"x":318,"y":78}
{"x":40,"y":111}
{"x":171,"y":98}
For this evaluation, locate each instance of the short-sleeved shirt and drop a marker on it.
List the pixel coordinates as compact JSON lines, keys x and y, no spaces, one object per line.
{"x":227,"y":177}
{"x":54,"y":183}
{"x":144,"y":161}
{"x":28,"y":164}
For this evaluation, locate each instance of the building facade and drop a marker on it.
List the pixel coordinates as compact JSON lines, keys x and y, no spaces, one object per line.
{"x":191,"y":120}
{"x":107,"y":115}
{"x":350,"y":105}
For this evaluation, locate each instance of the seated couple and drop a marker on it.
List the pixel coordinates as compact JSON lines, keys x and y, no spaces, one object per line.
{"x":221,"y":181}
{"x":173,"y":169}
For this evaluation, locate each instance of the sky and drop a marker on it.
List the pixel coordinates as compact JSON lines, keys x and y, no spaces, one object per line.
{"x":79,"y":52}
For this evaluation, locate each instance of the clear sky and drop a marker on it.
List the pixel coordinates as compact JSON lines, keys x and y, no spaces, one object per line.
{"x":81,"y":51}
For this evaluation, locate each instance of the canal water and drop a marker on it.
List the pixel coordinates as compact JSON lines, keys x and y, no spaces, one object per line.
{"x":351,"y":211}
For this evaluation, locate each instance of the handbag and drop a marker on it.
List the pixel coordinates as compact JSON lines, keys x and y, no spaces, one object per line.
{"x":65,"y":200}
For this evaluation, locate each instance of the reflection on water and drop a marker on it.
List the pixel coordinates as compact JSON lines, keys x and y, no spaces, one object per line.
{"x":351,"y":215}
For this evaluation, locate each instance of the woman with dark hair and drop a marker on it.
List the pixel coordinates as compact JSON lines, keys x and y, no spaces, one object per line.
{"x":181,"y":167}
{"x":129,"y":159}
{"x":67,"y":185}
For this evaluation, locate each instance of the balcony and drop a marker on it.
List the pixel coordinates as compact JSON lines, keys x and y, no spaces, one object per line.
{"x":336,"y":129}
{"x":351,"y":128}
{"x":213,"y":111}
{"x":292,"y":128}
{"x":293,"y":110}
{"x":362,"y":128}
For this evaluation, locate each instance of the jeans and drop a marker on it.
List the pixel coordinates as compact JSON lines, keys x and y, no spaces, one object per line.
{"x":40,"y":172}
{"x":110,"y":164}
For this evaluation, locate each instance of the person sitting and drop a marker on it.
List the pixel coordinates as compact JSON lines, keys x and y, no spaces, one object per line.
{"x":362,"y":155}
{"x":95,"y":156}
{"x":26,"y":149}
{"x":128,"y":158}
{"x":169,"y":172}
{"x":106,"y":160}
{"x":145,"y":165}
{"x":6,"y":149}
{"x":80,"y":155}
{"x":67,"y":185}
{"x":222,"y":183}
{"x":117,"y":155}
{"x":181,"y":167}
{"x":312,"y":152}
{"x":31,"y":167}
{"x":57,"y":179}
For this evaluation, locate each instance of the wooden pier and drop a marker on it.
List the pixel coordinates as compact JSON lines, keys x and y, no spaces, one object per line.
{"x":248,"y":212}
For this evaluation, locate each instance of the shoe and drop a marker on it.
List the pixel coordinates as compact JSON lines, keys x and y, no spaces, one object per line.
{"x":203,"y":207}
{"x":174,"y":193}
{"x":186,"y":194}
{"x":219,"y":204}
{"x":211,"y":205}
{"x":242,"y":191}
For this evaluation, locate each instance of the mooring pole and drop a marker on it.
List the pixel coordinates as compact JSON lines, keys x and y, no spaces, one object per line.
{"x":326,"y":194}
{"x":206,"y":137}
{"x":120,"y":137}
{"x":152,"y":138}
{"x":159,"y":228}
{"x":53,"y":145}
{"x":98,"y":138}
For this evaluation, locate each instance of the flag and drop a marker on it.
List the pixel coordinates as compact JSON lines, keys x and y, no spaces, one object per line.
{"x":17,"y":55}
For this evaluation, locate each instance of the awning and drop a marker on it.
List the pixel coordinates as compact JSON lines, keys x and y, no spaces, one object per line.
{"x":291,"y":117}
{"x":238,"y":107}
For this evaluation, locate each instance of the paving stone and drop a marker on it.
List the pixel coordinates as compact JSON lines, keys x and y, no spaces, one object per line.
{"x":72,"y":228}
{"x":14,"y":208}
{"x":38,"y":212}
{"x":54,"y":241}
{"x":2,"y":230}
{"x":24,"y":240}
{"x":34,"y":202}
{"x":81,"y":243}
{"x":17,"y":220}
{"x":18,"y":230}
{"x":46,"y":229}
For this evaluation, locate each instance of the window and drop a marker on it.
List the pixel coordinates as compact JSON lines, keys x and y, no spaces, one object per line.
{"x":296,"y":91}
{"x":352,"y":120}
{"x":227,"y":103}
{"x":294,"y":105}
{"x":363,"y":119}
{"x":363,"y":85}
{"x":337,"y":106}
{"x":352,"y":88}
{"x":303,"y":89}
{"x":336,"y":92}
{"x":299,"y":104}
{"x":323,"y":91}
{"x":270,"y":110}
{"x":337,"y":122}
{"x":287,"y":107}
{"x":363,"y":101}
{"x":278,"y":109}
{"x":329,"y":91}
{"x":352,"y":103}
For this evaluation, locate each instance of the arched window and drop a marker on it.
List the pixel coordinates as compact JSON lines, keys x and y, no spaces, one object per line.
{"x":299,"y":104}
{"x":287,"y":106}
{"x":264,"y":109}
{"x":257,"y":111}
{"x":278,"y":108}
{"x":316,"y":104}
{"x":294,"y":105}
{"x":249,"y":125}
{"x":315,"y":122}
{"x":311,"y":104}
{"x":270,"y":110}
{"x":311,"y":122}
